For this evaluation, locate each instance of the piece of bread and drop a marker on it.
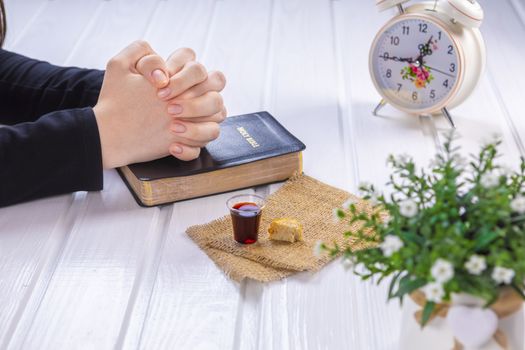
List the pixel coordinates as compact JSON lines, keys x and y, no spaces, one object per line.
{"x":285,"y":229}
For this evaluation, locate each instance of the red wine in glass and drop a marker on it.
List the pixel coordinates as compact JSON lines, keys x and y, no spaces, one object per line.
{"x":246,"y":217}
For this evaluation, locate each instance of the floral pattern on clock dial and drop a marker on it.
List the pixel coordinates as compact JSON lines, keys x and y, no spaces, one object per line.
{"x":415,"y":63}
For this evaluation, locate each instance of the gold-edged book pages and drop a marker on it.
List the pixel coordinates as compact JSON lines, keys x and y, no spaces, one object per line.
{"x":167,"y":190}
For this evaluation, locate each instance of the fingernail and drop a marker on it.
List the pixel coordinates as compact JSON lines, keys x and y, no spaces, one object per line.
{"x":159,"y":76}
{"x":178,"y":127}
{"x":164,"y":92}
{"x":176,"y":149}
{"x":175,"y":109}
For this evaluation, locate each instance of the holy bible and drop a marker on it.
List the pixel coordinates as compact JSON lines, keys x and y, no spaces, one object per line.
{"x":253,"y":149}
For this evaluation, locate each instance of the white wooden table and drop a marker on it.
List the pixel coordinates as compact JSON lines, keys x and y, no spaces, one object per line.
{"x":95,"y":271}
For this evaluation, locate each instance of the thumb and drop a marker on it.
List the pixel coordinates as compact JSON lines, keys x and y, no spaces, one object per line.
{"x":154,"y":69}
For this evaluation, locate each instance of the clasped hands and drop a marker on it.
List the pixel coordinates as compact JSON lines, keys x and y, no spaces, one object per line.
{"x":149,"y":108}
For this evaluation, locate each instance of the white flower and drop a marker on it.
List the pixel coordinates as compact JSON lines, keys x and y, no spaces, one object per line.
{"x":490,"y":179}
{"x":346,"y":205}
{"x":349,"y":262}
{"x":318,"y":248}
{"x":361,"y":269}
{"x":476,"y":264}
{"x":408,"y":208}
{"x":502,"y":275}
{"x":380,"y":266}
{"x":518,"y":204}
{"x":434,"y":292}
{"x":442,"y":271}
{"x":390,"y":245}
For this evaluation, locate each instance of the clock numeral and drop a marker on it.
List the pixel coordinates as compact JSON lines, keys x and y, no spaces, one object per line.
{"x":432,"y":94}
{"x":399,"y":86}
{"x":452,"y":68}
{"x":450,"y":49}
{"x":386,"y":56}
{"x":394,"y":40}
{"x":423,"y":27}
{"x":445,"y":83}
{"x":439,"y":35}
{"x":389,"y":73}
{"x":414,"y":96}
{"x":406,"y":30}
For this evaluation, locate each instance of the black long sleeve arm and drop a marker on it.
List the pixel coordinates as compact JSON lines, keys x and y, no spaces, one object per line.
{"x":52,"y":145}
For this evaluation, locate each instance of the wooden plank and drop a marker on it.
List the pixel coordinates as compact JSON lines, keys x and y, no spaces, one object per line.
{"x":306,"y":90}
{"x":104,"y":292}
{"x":20,"y":17}
{"x":34,"y":233}
{"x":31,"y":236}
{"x":112,"y":243}
{"x":503,"y":29}
{"x":117,"y":24}
{"x":107,"y":253}
{"x":46,"y":38}
{"x":177,"y":24}
{"x":193,"y":304}
{"x":332,"y":40}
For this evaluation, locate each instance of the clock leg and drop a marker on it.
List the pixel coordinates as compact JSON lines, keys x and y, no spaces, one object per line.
{"x":379,"y":107}
{"x":447,"y":115}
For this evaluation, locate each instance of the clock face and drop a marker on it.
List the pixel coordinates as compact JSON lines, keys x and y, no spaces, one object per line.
{"x":415,"y":64}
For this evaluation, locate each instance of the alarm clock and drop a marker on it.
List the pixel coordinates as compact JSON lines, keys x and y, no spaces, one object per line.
{"x":429,"y":57}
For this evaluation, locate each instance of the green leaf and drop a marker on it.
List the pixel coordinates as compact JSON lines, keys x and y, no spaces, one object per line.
{"x":427,"y":312}
{"x":408,"y":285}
{"x":485,"y":239}
{"x":412,"y":237}
{"x":392,"y":284}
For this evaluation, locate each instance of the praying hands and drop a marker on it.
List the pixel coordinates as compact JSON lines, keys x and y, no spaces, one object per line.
{"x":149,"y":108}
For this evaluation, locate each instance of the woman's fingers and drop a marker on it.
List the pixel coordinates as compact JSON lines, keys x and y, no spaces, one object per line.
{"x":127,"y":58}
{"x":178,"y":59}
{"x":191,"y":74}
{"x":184,"y":152}
{"x":201,"y":133}
{"x":216,"y":118}
{"x":206,"y":105}
{"x":153,"y":68}
{"x":216,"y":82}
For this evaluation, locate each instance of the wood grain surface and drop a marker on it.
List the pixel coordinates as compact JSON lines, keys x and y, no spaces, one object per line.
{"x":95,"y":271}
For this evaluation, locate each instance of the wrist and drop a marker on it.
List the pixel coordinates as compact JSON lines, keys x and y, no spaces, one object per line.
{"x":112,"y":157}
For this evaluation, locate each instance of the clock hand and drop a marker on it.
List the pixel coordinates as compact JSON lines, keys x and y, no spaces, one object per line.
{"x":397,"y":59}
{"x":440,"y":71}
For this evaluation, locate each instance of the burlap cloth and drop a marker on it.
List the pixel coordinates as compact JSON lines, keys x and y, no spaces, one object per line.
{"x":303,"y":198}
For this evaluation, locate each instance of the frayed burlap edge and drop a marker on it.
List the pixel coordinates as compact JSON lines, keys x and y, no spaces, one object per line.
{"x":301,"y":197}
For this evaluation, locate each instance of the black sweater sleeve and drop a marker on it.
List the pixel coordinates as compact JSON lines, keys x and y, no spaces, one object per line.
{"x":52,"y":144}
{"x":30,"y":88}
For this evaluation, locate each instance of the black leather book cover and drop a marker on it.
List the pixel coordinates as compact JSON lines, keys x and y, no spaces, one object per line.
{"x":244,"y":138}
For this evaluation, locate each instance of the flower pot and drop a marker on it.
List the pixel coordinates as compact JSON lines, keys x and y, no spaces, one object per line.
{"x":464,"y":321}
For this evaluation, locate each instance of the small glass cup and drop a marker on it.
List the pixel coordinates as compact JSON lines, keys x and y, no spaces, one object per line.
{"x":246,"y":212}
